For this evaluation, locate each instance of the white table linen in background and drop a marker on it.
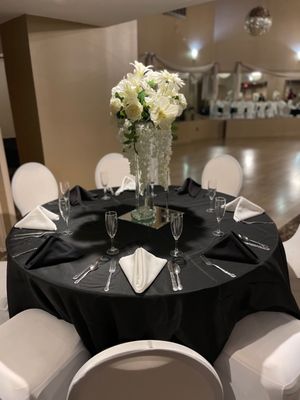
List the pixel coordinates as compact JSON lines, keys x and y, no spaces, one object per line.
{"x":38,"y":218}
{"x":128,"y":183}
{"x":243,"y":208}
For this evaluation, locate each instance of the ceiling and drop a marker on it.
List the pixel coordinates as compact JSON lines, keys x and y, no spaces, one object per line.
{"x":94,"y":12}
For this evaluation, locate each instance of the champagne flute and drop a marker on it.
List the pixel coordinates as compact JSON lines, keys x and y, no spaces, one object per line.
{"x":64,"y":205}
{"x":176,"y":224}
{"x":111,"y":223}
{"x":212,"y":190}
{"x":220,"y":207}
{"x":104,"y":183}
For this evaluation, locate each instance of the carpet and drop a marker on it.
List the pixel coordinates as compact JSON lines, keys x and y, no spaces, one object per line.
{"x":288,"y":230}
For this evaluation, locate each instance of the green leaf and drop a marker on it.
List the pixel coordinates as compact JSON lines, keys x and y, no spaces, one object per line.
{"x":152,"y":84}
{"x":141,"y":97}
{"x":118,"y":96}
{"x":121,"y":114}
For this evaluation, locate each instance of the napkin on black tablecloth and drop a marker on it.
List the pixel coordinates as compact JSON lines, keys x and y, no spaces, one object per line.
{"x":53,"y":250}
{"x":231,"y":248}
{"x":190,"y":187}
{"x":78,"y":195}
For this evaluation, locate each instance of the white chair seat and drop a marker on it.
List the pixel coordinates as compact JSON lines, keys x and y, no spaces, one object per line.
{"x":228,"y":173}
{"x":39,"y":355}
{"x":146,"y":369}
{"x":260,"y":361}
{"x":292,"y":251}
{"x":3,"y":294}
{"x":33,"y":184}
{"x":116,"y":167}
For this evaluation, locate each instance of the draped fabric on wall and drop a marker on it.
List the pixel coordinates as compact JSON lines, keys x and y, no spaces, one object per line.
{"x":210,"y":71}
{"x":213,"y":69}
{"x":278,"y":74}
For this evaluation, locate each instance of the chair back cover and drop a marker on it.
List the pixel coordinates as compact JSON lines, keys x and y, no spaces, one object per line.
{"x":116,"y":166}
{"x":228,"y":173}
{"x":146,"y":369}
{"x":33,"y":184}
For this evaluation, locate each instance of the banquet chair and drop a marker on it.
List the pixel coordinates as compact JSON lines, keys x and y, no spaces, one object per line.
{"x":228,"y":173}
{"x":3,"y":294}
{"x":33,"y":184}
{"x":261,"y":358}
{"x":146,"y":369}
{"x":292,"y":251}
{"x":116,"y":166}
{"x":39,"y":356}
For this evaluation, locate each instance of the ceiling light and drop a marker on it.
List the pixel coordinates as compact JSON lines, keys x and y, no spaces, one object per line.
{"x":194,"y":53}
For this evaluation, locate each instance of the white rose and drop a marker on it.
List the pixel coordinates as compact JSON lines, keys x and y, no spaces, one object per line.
{"x":115,"y":105}
{"x":133,"y":110}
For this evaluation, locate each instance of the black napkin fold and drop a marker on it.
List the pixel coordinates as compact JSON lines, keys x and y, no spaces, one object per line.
{"x":231,"y":248}
{"x":78,"y":195}
{"x":53,"y":250}
{"x":190,"y":187}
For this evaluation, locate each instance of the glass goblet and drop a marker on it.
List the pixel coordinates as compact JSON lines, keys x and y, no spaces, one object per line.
{"x":220,"y":207}
{"x":64,"y":205}
{"x":104,"y":182}
{"x":212,"y":190}
{"x":176,"y":224}
{"x":111,"y":223}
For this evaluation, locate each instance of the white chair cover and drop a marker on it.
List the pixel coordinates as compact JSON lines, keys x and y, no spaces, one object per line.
{"x":292,"y":251}
{"x":146,"y":369}
{"x":33,"y":184}
{"x":251,"y":108}
{"x":261,"y":109}
{"x":260,"y":360}
{"x":39,"y":356}
{"x":3,"y":294}
{"x":116,"y":165}
{"x":228,"y":173}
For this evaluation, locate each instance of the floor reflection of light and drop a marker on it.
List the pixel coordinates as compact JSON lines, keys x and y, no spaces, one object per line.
{"x":215,"y":151}
{"x":185,"y":169}
{"x":248,"y":161}
{"x":280,"y":205}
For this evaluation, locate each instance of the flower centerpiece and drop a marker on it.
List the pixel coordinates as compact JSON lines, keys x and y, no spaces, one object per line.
{"x":146,"y":104}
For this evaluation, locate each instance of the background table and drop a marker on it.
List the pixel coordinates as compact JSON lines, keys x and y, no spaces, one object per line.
{"x":201,"y":317}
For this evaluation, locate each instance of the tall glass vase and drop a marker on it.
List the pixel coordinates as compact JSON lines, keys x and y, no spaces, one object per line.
{"x":144,"y":210}
{"x":151,"y":150}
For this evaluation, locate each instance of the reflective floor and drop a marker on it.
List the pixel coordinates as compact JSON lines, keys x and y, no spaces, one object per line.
{"x":271,"y":170}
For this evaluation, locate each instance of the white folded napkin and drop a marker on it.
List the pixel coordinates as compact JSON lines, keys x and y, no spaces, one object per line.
{"x":243,"y":208}
{"x":38,"y":218}
{"x":128,"y":183}
{"x":141,"y":268}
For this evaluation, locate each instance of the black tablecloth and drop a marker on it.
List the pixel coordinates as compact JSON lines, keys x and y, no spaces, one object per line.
{"x":201,"y":317}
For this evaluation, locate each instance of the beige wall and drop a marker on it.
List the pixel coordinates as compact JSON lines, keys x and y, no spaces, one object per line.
{"x":7,"y":209}
{"x":18,"y":69}
{"x":273,"y":50}
{"x":171,"y":38}
{"x":219,"y":26}
{"x":6,"y":119}
{"x":74,"y":68}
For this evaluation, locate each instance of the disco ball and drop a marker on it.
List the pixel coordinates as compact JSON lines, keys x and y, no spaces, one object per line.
{"x":258,"y":21}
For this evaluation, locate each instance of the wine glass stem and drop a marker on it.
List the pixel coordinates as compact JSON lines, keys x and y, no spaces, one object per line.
{"x":211,"y":203}
{"x":176,"y":247}
{"x":219,"y":226}
{"x":167,"y":203}
{"x":111,"y":243}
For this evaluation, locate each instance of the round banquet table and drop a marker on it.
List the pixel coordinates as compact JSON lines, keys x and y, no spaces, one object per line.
{"x":201,"y":316}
